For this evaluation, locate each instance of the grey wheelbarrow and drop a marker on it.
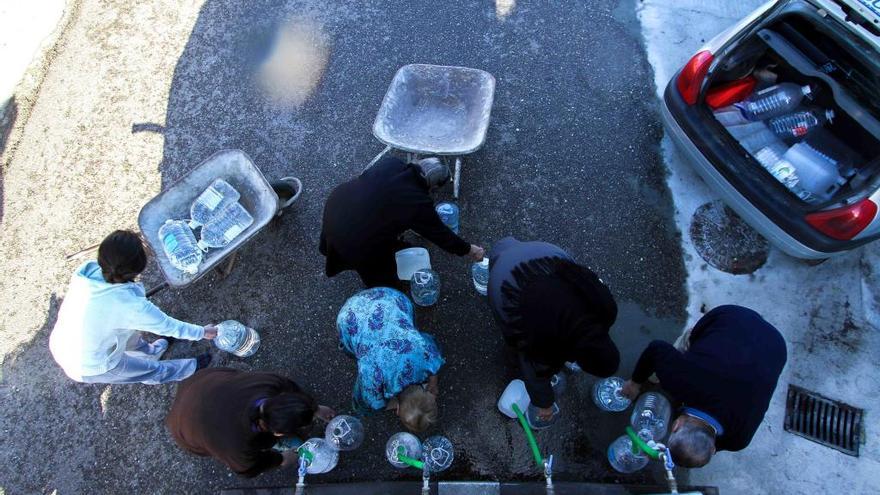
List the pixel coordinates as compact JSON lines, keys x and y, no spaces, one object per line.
{"x":264,"y":200}
{"x":435,"y":110}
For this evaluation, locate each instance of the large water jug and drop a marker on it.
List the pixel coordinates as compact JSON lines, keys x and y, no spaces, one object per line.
{"x":437,"y":453}
{"x":425,"y":287}
{"x":651,"y":415}
{"x":622,"y":458}
{"x":213,"y":200}
{"x":608,"y":396}
{"x":818,"y":173}
{"x":320,"y":456}
{"x":344,"y":432}
{"x":402,"y":443}
{"x":449,"y":214}
{"x":235,"y":338}
{"x":225,"y":226}
{"x":180,"y":247}
{"x":410,"y":260}
{"x":480,"y":275}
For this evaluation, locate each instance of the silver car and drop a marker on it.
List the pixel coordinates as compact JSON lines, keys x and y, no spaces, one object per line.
{"x":810,"y":210}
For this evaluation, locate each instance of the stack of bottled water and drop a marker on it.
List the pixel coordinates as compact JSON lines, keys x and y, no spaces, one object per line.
{"x":220,"y":215}
{"x":235,"y":338}
{"x":221,"y":219}
{"x":766,"y":123}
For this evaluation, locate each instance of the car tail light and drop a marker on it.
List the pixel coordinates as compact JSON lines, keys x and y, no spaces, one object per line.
{"x":691,"y":76}
{"x":844,"y":223}
{"x":730,"y":93}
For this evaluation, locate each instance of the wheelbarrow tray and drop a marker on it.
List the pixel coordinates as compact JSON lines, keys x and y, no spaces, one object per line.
{"x":233,"y":166}
{"x":436,"y":109}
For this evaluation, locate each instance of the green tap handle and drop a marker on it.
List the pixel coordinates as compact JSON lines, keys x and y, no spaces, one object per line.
{"x":307,"y":454}
{"x":536,"y":452}
{"x":407,"y":459}
{"x":639,"y":444}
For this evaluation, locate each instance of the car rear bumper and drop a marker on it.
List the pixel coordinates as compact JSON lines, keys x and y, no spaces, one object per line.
{"x":734,"y":198}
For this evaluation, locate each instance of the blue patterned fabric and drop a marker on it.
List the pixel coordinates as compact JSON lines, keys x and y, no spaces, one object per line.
{"x":376,"y":327}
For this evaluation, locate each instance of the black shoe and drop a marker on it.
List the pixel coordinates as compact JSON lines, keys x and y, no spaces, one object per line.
{"x":202,"y":361}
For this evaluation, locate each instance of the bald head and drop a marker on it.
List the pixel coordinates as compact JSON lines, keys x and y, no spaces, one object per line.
{"x":692,"y":442}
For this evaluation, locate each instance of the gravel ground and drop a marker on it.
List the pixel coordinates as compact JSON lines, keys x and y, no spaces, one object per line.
{"x":137,"y":94}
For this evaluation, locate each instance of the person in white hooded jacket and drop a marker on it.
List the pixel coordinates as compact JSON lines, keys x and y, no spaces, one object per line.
{"x":97,"y":339}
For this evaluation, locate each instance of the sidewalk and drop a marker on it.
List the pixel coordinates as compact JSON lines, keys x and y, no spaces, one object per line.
{"x":828,"y":313}
{"x":26,"y":30}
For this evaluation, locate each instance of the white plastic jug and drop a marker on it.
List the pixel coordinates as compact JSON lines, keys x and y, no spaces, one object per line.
{"x":411,"y":260}
{"x":817,"y":172}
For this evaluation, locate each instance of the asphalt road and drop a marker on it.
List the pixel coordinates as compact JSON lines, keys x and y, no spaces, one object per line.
{"x":571,"y":157}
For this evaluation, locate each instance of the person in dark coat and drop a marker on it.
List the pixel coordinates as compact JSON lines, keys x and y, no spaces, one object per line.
{"x":365,"y":217}
{"x":238,"y":416}
{"x":551,"y":310}
{"x":724,"y":373}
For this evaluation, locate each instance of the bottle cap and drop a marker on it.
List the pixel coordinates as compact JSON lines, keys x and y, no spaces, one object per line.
{"x":806,"y":90}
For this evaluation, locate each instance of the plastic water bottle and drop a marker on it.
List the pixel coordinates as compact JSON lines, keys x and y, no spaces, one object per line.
{"x":323,"y":456}
{"x":214,"y":199}
{"x":225,"y":226}
{"x":437,"y":453}
{"x":179,"y":244}
{"x":773,"y":101}
{"x":799,"y":124}
{"x":651,"y":415}
{"x":402,"y":443}
{"x":235,"y":338}
{"x":449,"y":214}
{"x":425,"y":287}
{"x":344,"y":432}
{"x":480,"y":274}
{"x":779,"y":168}
{"x":622,"y":458}
{"x":607,"y":394}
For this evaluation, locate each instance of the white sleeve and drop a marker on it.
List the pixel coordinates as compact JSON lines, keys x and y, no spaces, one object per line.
{"x":149,"y":318}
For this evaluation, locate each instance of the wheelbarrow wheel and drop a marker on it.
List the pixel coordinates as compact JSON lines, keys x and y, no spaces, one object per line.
{"x":288,"y":190}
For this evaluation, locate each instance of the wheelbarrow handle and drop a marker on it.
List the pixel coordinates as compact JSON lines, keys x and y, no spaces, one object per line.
{"x":533,"y":444}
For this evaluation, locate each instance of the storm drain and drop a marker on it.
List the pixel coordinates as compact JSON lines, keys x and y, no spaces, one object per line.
{"x":822,"y":420}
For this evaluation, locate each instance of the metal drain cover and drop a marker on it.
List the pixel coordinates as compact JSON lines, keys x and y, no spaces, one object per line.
{"x":823,"y":420}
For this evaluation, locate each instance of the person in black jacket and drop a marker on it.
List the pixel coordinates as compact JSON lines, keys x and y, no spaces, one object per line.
{"x":551,"y":311}
{"x":724,"y":373}
{"x":364,"y":218}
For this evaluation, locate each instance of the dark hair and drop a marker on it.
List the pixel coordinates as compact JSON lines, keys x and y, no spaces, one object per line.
{"x":121,"y":256}
{"x":692,"y":445}
{"x":289,"y":411}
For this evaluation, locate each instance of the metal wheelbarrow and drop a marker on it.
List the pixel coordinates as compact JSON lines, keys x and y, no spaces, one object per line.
{"x":263,"y":200}
{"x":435,"y":110}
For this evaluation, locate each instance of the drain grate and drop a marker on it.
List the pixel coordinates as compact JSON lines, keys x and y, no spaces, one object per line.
{"x":822,"y":420}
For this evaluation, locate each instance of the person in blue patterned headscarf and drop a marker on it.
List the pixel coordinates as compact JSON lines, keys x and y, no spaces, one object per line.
{"x":397,"y":364}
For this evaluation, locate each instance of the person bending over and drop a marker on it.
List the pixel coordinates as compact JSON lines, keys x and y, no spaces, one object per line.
{"x":551,"y":311}
{"x":397,"y":364}
{"x":96,"y":338}
{"x":237,"y":417}
{"x":365,"y":217}
{"x":724,"y":372}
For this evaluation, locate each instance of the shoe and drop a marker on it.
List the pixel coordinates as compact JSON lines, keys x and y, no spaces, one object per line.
{"x":157,"y":349}
{"x":202,"y":361}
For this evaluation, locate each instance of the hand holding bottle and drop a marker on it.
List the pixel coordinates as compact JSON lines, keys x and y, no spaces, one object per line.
{"x":210,"y":332}
{"x":631,"y":389}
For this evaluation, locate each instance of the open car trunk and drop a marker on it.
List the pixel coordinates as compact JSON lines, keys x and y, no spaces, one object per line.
{"x":834,"y":163}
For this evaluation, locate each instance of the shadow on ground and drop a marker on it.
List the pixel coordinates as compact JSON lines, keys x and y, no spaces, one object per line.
{"x":571,"y":157}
